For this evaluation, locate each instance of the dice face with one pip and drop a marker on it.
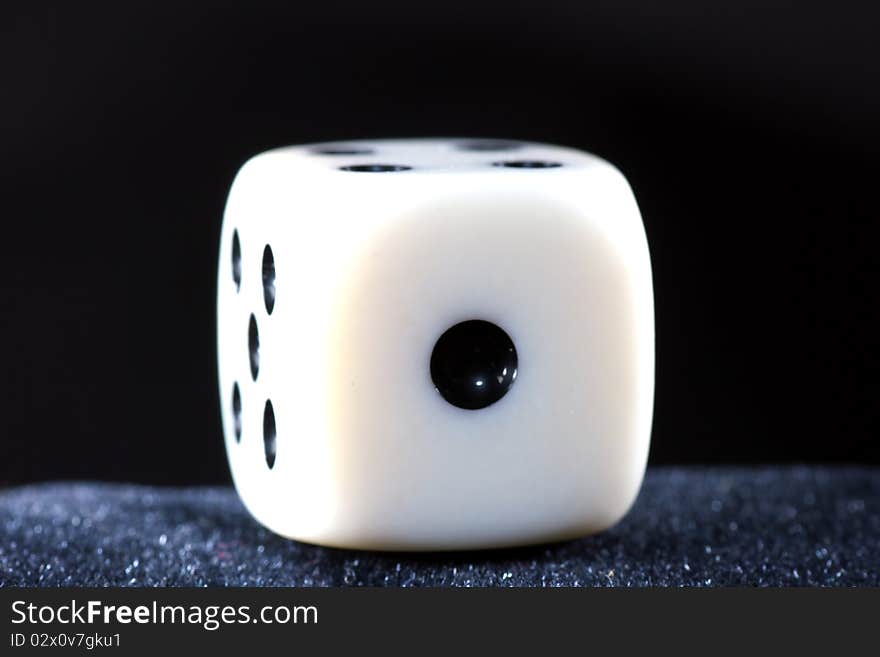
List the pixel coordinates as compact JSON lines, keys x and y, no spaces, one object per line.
{"x":434,"y":344}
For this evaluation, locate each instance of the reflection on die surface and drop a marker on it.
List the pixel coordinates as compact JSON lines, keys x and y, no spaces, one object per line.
{"x":434,"y":344}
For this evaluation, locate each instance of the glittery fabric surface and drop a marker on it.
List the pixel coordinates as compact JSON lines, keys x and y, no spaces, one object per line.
{"x":690,"y":526}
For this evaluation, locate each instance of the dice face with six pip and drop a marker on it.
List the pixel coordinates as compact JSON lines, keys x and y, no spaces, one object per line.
{"x":434,"y":344}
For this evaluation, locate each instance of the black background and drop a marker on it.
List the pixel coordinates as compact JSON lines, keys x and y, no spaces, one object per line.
{"x":748,"y":131}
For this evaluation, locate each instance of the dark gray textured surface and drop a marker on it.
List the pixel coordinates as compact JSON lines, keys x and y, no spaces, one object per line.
{"x":695,"y":527}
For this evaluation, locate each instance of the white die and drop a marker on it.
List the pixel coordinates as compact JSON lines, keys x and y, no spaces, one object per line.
{"x":346,"y":263}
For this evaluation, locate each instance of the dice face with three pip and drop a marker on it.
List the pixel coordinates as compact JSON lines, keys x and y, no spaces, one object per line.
{"x":434,"y":344}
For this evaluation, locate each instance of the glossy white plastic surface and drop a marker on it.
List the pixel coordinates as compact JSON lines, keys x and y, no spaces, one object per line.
{"x":371,"y":268}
